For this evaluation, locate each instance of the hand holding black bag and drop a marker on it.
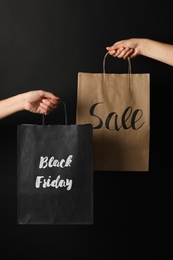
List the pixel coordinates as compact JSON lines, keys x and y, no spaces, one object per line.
{"x":54,"y":174}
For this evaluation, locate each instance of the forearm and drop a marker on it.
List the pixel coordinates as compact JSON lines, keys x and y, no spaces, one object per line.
{"x":156,"y":50}
{"x":11,"y":105}
{"x":133,"y":47}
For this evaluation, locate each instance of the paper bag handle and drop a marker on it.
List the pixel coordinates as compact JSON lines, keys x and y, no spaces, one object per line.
{"x":104,"y":60}
{"x":65,"y":112}
{"x":129,"y":70}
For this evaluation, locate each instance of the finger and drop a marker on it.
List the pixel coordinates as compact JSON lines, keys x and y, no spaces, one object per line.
{"x":49,"y":103}
{"x":45,"y":109}
{"x":110,"y":48}
{"x":113,"y":52}
{"x":46,"y":106}
{"x":119,"y":52}
{"x":123,"y":53}
{"x":128,"y":54}
{"x":49,"y":95}
{"x":54,"y":100}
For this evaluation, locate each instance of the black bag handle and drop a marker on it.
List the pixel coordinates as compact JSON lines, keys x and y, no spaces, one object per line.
{"x":65,"y":112}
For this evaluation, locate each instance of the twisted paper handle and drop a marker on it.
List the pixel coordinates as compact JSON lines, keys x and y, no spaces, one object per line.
{"x":104,"y":60}
{"x":65,"y":112}
{"x":129,"y":69}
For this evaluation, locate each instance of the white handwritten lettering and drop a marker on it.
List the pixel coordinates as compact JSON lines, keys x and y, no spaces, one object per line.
{"x":56,"y":183}
{"x":52,"y":162}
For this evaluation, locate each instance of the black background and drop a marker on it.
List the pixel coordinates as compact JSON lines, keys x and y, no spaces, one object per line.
{"x":43,"y":45}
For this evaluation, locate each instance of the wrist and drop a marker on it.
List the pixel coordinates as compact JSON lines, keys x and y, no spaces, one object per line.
{"x":20,"y":102}
{"x":142,"y":46}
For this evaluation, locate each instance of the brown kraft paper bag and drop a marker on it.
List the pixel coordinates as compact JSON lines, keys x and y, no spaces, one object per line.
{"x":118,"y":107}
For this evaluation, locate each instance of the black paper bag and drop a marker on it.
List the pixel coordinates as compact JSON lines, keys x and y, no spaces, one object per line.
{"x":54,"y":174}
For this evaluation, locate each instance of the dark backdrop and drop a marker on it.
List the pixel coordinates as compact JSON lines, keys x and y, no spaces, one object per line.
{"x":43,"y":45}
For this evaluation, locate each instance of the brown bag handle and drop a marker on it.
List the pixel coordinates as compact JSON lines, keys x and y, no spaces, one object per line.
{"x":104,"y":60}
{"x":129,"y":69}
